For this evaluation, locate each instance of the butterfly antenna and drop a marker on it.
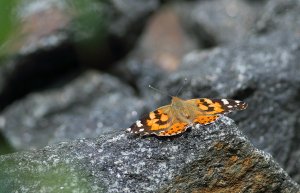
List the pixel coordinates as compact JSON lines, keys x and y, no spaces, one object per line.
{"x":180,"y":89}
{"x":157,"y":90}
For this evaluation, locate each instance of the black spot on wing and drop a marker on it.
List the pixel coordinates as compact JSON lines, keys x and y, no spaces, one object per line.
{"x":158,"y":116}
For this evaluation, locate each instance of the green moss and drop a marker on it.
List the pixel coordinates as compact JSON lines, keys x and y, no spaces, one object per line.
{"x":21,"y":174}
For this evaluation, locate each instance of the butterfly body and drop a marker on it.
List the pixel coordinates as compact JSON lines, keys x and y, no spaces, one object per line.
{"x":175,"y":118}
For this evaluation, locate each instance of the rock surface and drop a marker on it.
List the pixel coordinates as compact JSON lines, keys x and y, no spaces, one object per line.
{"x":59,"y":38}
{"x":263,"y":71}
{"x":223,"y":22}
{"x":213,"y":158}
{"x":257,"y":62}
{"x":247,"y":73}
{"x":90,"y":105}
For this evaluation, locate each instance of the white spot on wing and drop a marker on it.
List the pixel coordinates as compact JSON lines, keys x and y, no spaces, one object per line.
{"x":138,"y":123}
{"x":142,"y":129}
{"x":225,"y":101}
{"x":128,"y":129}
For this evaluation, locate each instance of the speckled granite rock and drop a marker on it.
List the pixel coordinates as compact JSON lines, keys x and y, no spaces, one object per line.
{"x":267,"y":78}
{"x":212,"y":158}
{"x":262,"y":70}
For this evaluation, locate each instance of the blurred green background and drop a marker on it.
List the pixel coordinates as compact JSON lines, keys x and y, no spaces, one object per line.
{"x":6,"y":20}
{"x":7,"y":24}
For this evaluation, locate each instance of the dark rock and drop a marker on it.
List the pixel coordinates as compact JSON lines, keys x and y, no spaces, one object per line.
{"x":263,"y":70}
{"x":214,"y":23}
{"x":57,"y":38}
{"x":36,"y":71}
{"x":279,"y":17}
{"x":91,"y":105}
{"x":165,"y":40}
{"x":203,"y":24}
{"x":5,"y":147}
{"x":213,"y":158}
{"x":266,"y":77}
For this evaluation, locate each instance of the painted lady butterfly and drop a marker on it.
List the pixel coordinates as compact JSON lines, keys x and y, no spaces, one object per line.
{"x":181,"y":114}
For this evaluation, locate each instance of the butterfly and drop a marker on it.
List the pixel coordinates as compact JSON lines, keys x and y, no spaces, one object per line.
{"x":175,"y":118}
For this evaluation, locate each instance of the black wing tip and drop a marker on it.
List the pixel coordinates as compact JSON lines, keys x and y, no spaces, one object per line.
{"x":241,"y":104}
{"x":137,"y":128}
{"x":234,"y":105}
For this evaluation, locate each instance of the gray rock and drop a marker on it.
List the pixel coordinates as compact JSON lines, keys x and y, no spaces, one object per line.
{"x":93,"y":104}
{"x":213,"y":158}
{"x":213,"y":23}
{"x":57,"y":38}
{"x":78,"y":21}
{"x":279,"y":16}
{"x":263,"y":71}
{"x":267,"y":78}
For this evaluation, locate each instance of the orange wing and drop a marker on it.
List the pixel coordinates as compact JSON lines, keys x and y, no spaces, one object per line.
{"x":160,"y":122}
{"x":163,"y":121}
{"x":210,"y":109}
{"x":204,"y":120}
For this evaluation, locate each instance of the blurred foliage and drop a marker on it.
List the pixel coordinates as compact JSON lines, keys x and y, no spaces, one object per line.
{"x":89,"y":21}
{"x":6,"y":19}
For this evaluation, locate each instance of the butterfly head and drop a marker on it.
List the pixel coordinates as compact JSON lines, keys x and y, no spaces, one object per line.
{"x":176,"y":100}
